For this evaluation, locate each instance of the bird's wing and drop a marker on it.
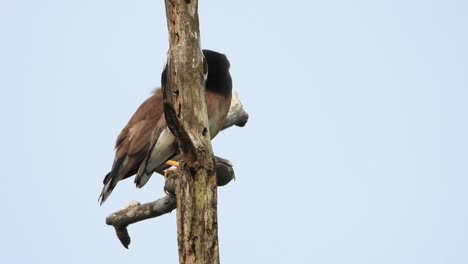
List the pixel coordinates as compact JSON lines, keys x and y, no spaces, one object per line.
{"x":133,"y":142}
{"x":163,"y":147}
{"x":163,"y":142}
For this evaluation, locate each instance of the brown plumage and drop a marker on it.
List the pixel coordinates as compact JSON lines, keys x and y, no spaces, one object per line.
{"x":134,"y":140}
{"x":146,"y":141}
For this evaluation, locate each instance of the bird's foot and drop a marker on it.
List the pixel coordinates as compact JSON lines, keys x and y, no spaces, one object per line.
{"x":164,"y":173}
{"x":169,"y":184}
{"x":173,"y":163}
{"x":170,"y":163}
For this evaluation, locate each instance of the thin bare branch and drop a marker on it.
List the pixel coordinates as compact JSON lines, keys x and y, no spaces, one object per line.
{"x":136,"y":212}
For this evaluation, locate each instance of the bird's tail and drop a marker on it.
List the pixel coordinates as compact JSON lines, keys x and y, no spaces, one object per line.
{"x":164,"y":148}
{"x":106,"y":190}
{"x":111,"y":180}
{"x":142,"y":176}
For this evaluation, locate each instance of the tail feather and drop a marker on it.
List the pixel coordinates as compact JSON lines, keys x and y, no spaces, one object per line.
{"x":106,"y":191}
{"x":111,"y":180}
{"x":142,"y":176}
{"x":107,"y":178}
{"x":164,"y":148}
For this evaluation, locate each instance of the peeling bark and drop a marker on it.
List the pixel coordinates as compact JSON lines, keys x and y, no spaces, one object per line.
{"x":196,"y":192}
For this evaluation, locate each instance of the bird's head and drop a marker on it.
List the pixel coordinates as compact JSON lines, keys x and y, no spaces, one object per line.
{"x":219,"y":79}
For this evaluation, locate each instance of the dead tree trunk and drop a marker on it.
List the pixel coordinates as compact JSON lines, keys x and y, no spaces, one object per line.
{"x":196,"y":192}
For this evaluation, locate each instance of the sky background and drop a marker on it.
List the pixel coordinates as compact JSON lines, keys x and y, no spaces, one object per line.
{"x":356,"y":150}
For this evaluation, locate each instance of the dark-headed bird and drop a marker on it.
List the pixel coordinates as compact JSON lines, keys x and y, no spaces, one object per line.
{"x":146,"y":143}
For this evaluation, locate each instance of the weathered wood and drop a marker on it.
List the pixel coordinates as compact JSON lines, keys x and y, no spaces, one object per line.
{"x":136,"y":212}
{"x":196,"y":192}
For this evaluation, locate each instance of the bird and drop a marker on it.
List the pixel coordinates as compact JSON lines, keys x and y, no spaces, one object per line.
{"x":146,"y":144}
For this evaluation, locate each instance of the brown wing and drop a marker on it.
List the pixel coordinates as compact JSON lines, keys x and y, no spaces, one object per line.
{"x":151,"y":109}
{"x":133,"y":142}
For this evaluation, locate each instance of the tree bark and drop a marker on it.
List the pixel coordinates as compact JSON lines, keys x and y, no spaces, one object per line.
{"x":196,"y":192}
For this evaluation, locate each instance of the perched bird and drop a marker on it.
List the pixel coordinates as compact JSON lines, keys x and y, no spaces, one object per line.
{"x":146,"y":143}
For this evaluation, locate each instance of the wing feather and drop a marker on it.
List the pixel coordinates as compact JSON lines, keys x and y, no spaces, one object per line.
{"x":133,"y":142}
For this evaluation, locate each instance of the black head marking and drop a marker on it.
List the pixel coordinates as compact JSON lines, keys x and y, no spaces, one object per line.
{"x":219,"y":79}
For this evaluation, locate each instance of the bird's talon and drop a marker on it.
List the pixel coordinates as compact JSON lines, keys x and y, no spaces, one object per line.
{"x":173,"y":163}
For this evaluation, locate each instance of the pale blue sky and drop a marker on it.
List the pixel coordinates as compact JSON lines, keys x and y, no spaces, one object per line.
{"x":356,"y":150}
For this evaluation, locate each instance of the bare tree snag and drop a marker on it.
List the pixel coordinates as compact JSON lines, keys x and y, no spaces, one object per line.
{"x":185,"y":110}
{"x":196,"y":192}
